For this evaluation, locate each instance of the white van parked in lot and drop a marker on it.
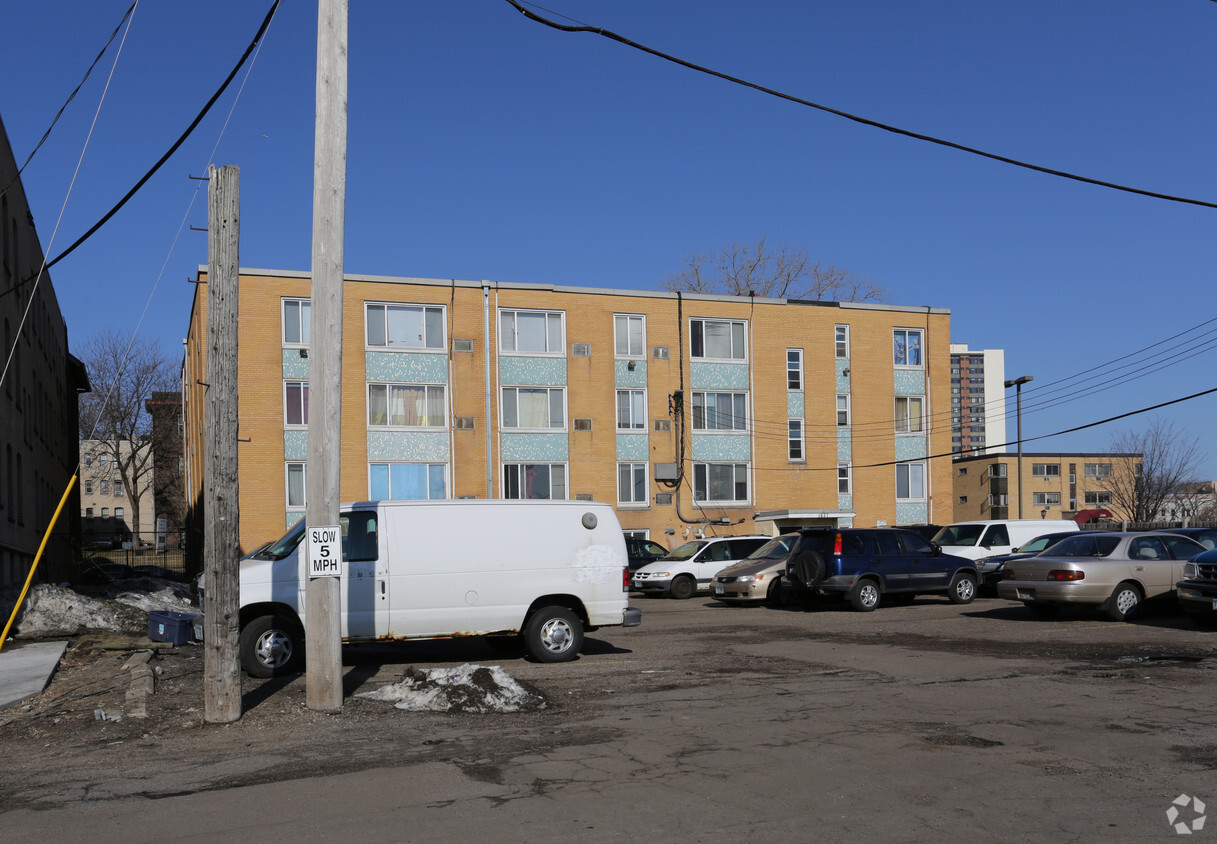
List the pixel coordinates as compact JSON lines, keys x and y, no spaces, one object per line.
{"x":540,"y":571}
{"x":989,"y":537}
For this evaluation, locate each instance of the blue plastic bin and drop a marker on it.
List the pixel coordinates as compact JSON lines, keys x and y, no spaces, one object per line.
{"x":169,"y":626}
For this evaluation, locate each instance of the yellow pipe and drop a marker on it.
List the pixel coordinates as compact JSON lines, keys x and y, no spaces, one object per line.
{"x":37,"y":557}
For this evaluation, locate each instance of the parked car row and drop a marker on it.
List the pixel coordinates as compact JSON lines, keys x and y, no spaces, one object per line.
{"x":1115,"y":572}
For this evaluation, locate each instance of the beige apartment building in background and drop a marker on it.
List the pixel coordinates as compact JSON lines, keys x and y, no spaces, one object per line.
{"x":106,"y":503}
{"x":1054,"y":485}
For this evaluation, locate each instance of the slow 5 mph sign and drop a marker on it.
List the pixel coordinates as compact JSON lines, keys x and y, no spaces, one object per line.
{"x":325,"y":551}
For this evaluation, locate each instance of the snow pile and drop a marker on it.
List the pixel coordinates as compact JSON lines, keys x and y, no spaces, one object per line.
{"x":468,"y":688}
{"x":51,"y":611}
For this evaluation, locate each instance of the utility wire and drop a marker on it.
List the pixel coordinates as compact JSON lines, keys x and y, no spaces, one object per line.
{"x":612,"y":36}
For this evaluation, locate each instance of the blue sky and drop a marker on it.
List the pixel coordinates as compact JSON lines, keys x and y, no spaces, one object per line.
{"x":485,"y":146}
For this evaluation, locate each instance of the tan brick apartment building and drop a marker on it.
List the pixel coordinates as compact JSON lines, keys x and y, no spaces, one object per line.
{"x":770,"y":412}
{"x":1055,"y":485}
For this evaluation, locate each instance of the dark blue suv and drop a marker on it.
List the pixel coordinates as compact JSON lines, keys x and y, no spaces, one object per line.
{"x":869,"y":564}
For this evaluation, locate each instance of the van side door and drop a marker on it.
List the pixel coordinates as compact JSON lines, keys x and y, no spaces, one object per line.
{"x":364,"y":592}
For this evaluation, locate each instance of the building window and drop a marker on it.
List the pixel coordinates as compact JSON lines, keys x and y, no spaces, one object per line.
{"x":963,"y":472}
{"x":844,"y":479}
{"x":963,"y":499}
{"x":717,"y":339}
{"x":295,"y":486}
{"x":405,"y":327}
{"x":1097,"y":470}
{"x":720,"y":412}
{"x":295,"y":402}
{"x":118,"y":489}
{"x":531,"y":332}
{"x":105,"y":487}
{"x":534,"y":480}
{"x":794,"y":369}
{"x":910,"y":415}
{"x":406,"y":406}
{"x":1098,"y":499}
{"x":1045,"y":470}
{"x":538,"y":408}
{"x":910,"y":481}
{"x":1043,"y":499}
{"x":631,"y":410}
{"x":88,"y":487}
{"x":88,"y":512}
{"x":794,"y":440}
{"x":105,"y":512}
{"x":722,"y":483}
{"x":296,"y":321}
{"x":629,"y":336}
{"x":842,"y":342}
{"x":407,"y":481}
{"x":842,"y":410}
{"x":118,"y":512}
{"x":997,"y":470}
{"x":1002,"y":500}
{"x":906,"y":346}
{"x":631,"y":483}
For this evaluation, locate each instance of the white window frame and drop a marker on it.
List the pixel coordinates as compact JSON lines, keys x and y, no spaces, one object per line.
{"x":1043,"y":499}
{"x":303,"y":404}
{"x":847,"y":410}
{"x":388,"y":387}
{"x":1096,"y":494}
{"x":796,"y":442}
{"x":1044,"y":470}
{"x":841,"y":342}
{"x":514,"y":402}
{"x":845,"y":479}
{"x":794,"y":370}
{"x":432,"y":466}
{"x":635,"y":470}
{"x":635,"y":410}
{"x":907,"y":333}
{"x":289,"y":468}
{"x":428,"y":345}
{"x":120,"y":513}
{"x":701,"y":482}
{"x":303,"y":327}
{"x":637,"y":533}
{"x":1097,"y":471}
{"x":518,"y":466}
{"x":914,"y":479}
{"x":626,"y":320}
{"x":697,"y":333}
{"x":905,"y":421}
{"x":509,"y":340}
{"x":738,"y":423}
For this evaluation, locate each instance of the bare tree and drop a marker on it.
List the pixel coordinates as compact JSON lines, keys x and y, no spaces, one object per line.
{"x":1169,"y":460}
{"x":123,"y":374}
{"x":741,"y":269}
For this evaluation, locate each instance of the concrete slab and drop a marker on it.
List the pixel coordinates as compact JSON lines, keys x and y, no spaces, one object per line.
{"x":26,"y":668}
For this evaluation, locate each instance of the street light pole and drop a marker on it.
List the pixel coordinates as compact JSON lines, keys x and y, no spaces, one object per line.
{"x":1017,"y":384}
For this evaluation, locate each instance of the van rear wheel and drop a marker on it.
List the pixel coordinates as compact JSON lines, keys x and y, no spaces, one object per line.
{"x":553,"y":634}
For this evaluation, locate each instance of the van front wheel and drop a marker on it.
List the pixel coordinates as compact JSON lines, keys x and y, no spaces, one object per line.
{"x":271,"y":646}
{"x":553,"y":634}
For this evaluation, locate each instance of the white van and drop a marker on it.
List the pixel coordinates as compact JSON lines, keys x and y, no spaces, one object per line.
{"x":989,"y":537}
{"x":540,"y":571}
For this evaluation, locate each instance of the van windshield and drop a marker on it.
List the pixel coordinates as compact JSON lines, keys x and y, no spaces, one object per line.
{"x":286,"y":545}
{"x":959,"y":535}
{"x":686,"y":551}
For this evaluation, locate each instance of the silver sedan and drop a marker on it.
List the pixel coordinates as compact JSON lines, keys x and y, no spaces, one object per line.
{"x":1112,"y":571}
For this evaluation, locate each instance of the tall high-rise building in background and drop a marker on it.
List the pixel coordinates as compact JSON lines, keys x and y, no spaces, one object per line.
{"x":978,"y":401}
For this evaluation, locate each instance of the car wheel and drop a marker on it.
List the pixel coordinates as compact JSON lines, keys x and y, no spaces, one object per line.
{"x":1123,"y":602}
{"x":553,"y":634}
{"x":683,"y":587}
{"x":773,"y":595}
{"x":963,"y":589}
{"x":864,"y":596}
{"x":1043,"y":611}
{"x":271,"y":646}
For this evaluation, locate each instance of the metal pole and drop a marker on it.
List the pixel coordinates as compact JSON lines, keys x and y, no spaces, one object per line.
{"x":1017,"y":384}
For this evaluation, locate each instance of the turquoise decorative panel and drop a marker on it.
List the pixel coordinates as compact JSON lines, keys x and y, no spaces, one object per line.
{"x":294,"y":366}
{"x":632,"y":447}
{"x":844,"y":444}
{"x":910,"y":447}
{"x":293,"y":516}
{"x":722,"y":447}
{"x":845,"y":521}
{"x":415,"y":446}
{"x":406,"y":367}
{"x":547,"y":447}
{"x":533,"y":372}
{"x":845,"y":502}
{"x":295,"y":445}
{"x":912,"y":512}
{"x":625,"y":378}
{"x":910,"y":382}
{"x":794,"y":405}
{"x":842,"y":377}
{"x":718,"y":376}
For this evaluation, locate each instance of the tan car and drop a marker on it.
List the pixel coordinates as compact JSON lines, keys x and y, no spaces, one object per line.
{"x":758,"y":578}
{"x":1112,"y":571}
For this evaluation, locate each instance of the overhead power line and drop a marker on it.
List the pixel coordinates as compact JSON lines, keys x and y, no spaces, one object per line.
{"x":612,"y":36}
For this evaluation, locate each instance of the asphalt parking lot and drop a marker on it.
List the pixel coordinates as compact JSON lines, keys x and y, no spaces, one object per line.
{"x":708,"y":722}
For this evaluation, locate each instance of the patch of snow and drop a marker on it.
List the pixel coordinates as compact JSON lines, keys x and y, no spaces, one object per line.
{"x":51,"y":611}
{"x":467,"y":688}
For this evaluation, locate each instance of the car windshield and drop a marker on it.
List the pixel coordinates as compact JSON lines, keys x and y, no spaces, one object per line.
{"x":1086,"y":546}
{"x":775,"y":549}
{"x":286,"y":545}
{"x":1037,"y":544}
{"x":686,"y":551}
{"x":959,"y":535}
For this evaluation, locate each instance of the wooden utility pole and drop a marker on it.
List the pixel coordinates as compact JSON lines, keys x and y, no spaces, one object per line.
{"x":221,"y":542}
{"x":323,"y":635}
